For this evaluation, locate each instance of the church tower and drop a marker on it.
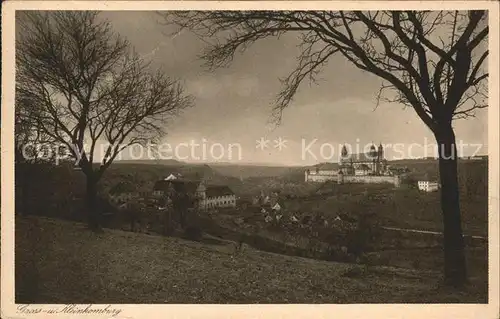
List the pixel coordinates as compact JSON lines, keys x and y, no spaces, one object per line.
{"x":380,"y":158}
{"x":344,"y":154}
{"x":380,"y":152}
{"x":374,"y":157}
{"x":373,"y":151}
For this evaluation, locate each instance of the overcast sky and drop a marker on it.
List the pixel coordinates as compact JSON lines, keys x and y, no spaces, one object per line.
{"x":233,"y":105}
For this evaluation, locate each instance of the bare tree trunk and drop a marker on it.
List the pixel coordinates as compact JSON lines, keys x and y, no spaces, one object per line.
{"x":167,"y":225}
{"x":93,"y":213}
{"x":454,"y":247}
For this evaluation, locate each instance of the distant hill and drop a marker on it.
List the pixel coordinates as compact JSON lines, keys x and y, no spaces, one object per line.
{"x":142,"y":174}
{"x":147,"y":274}
{"x":249,"y":171}
{"x":240,"y":171}
{"x":151,"y":162}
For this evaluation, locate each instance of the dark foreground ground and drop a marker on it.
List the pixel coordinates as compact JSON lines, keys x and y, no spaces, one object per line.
{"x":63,"y":262}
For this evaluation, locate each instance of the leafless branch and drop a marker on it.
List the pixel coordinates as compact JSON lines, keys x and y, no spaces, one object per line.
{"x":80,"y":84}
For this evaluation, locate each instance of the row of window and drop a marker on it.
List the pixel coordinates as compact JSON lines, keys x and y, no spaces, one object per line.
{"x":224,"y":202}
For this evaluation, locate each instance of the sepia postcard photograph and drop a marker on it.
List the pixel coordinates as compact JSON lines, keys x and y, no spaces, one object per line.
{"x":249,"y":159}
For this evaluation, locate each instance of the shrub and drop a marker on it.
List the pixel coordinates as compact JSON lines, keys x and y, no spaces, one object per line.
{"x":416,"y":263}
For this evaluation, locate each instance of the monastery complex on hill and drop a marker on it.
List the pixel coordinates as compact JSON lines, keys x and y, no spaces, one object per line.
{"x":369,"y":167}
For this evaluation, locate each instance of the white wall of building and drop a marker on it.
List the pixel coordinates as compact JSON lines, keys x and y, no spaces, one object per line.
{"x":327,"y":172}
{"x":428,"y":186}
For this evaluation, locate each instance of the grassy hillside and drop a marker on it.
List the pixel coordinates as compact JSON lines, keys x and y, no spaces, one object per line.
{"x":62,"y":262}
{"x":422,"y":167}
{"x":404,"y":208}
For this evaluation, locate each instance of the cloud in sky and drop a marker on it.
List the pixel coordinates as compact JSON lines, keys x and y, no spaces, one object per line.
{"x":233,"y":105}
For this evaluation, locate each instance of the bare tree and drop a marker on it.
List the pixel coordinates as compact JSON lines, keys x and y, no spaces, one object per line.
{"x":85,"y":89}
{"x":433,"y":62}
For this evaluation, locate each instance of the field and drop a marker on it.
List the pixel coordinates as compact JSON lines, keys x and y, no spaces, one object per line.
{"x":62,"y":262}
{"x":413,"y":262}
{"x":403,"y":208}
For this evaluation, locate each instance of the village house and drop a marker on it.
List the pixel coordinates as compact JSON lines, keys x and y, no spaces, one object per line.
{"x":362,"y":169}
{"x":357,"y":164}
{"x":123,"y":192}
{"x":271,"y":207}
{"x":477,"y":158}
{"x":428,"y":186}
{"x":245,"y":203}
{"x":271,"y":204}
{"x":369,"y":163}
{"x":173,"y":176}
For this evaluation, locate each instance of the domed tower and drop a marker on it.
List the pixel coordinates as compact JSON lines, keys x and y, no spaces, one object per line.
{"x":373,"y":156}
{"x":201,"y":191}
{"x":380,"y":159}
{"x":373,"y":152}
